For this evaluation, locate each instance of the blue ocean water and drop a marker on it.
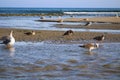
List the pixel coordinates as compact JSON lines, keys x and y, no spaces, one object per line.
{"x":54,"y":10}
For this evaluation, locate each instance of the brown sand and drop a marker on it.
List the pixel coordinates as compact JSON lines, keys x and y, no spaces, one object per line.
{"x":92,"y":26}
{"x":56,"y":36}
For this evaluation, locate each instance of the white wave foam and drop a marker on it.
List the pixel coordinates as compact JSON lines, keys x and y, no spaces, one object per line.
{"x":114,"y":13}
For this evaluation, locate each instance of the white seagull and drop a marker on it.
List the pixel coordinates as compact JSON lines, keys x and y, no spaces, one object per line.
{"x":90,"y":46}
{"x":8,"y":40}
{"x":88,"y":24}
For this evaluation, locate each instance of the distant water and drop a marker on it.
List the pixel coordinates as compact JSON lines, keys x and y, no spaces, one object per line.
{"x":112,"y":11}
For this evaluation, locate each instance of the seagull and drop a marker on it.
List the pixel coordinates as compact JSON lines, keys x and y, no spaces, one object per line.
{"x":42,"y":17}
{"x":30,"y":33}
{"x":85,"y":19}
{"x":50,"y":16}
{"x":117,"y":16}
{"x":90,"y":46}
{"x":60,"y":20}
{"x":8,"y":40}
{"x":88,"y":24}
{"x":99,"y":38}
{"x":69,"y":32}
{"x":59,"y":17}
{"x":72,"y":16}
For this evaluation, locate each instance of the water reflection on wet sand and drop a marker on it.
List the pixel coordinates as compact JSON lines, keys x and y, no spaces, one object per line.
{"x":37,"y":61}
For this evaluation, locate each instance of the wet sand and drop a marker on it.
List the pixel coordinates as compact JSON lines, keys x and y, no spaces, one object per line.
{"x":56,"y":36}
{"x":95,"y":19}
{"x":109,"y":26}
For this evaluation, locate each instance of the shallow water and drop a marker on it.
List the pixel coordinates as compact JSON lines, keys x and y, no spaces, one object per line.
{"x":49,"y":61}
{"x":28,"y":22}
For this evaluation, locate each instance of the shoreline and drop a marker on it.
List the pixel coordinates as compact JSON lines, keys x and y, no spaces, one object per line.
{"x":97,"y":26}
{"x":113,"y":20}
{"x":56,"y":36}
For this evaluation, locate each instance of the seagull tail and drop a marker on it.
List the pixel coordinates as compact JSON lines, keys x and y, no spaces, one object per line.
{"x":81,"y":46}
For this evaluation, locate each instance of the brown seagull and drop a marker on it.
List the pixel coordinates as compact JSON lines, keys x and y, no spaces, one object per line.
{"x":30,"y":33}
{"x":99,"y":38}
{"x":69,"y":32}
{"x":90,"y":46}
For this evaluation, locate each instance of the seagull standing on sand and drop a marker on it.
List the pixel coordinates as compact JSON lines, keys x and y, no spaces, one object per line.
{"x":60,"y":20}
{"x":69,"y":32}
{"x":8,"y":40}
{"x":99,"y":38}
{"x":88,"y":24}
{"x":90,"y":46}
{"x":30,"y":33}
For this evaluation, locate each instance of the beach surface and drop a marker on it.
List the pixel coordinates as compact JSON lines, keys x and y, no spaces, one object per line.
{"x":108,"y":23}
{"x":56,"y":36}
{"x":50,"y":55}
{"x":94,"y":19}
{"x":102,"y":26}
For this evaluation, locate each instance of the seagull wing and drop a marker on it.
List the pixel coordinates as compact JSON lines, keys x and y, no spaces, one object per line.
{"x":66,"y":33}
{"x":97,"y":38}
{"x":6,"y":41}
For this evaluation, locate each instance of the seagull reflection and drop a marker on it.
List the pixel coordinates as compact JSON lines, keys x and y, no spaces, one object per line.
{"x":12,"y":51}
{"x":89,"y":53}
